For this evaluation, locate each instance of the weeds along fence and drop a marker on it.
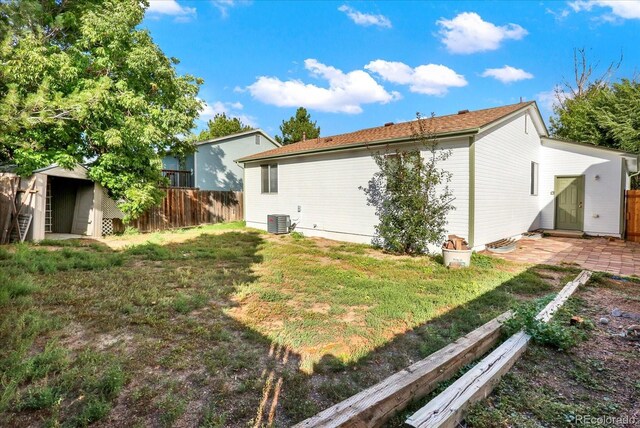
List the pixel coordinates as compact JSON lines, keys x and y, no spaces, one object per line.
{"x":185,"y":207}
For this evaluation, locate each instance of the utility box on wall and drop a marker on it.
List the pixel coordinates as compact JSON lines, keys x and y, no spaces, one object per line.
{"x":278,"y":223}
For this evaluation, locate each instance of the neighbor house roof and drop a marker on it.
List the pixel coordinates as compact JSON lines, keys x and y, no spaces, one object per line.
{"x":464,"y":121}
{"x":239,"y":135}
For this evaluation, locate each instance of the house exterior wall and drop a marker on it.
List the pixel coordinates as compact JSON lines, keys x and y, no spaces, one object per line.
{"x":215,"y":168}
{"x":213,"y":165}
{"x":326,"y":188}
{"x":603,"y":197}
{"x":504,"y":206}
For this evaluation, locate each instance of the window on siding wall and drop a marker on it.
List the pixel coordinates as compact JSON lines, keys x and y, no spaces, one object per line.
{"x":258,"y":139}
{"x":269,"y":178}
{"x":534,"y":178}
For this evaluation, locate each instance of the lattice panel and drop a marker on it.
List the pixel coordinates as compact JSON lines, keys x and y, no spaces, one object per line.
{"x":107,"y":226}
{"x":109,"y":207}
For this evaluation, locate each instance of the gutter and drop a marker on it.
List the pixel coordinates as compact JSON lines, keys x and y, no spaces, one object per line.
{"x":471,"y":131}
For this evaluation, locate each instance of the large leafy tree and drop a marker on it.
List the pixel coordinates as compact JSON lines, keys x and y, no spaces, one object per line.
{"x":221,"y":126}
{"x":79,"y":82}
{"x":298,"y":127}
{"x":603,"y":114}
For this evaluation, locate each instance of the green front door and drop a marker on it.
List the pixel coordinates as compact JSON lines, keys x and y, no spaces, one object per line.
{"x":569,"y":193}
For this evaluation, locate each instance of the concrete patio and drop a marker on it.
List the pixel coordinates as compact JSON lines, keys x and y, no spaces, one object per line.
{"x":599,"y":254}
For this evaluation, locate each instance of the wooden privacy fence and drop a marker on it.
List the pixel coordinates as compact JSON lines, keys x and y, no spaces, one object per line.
{"x":191,"y":207}
{"x":633,"y":216}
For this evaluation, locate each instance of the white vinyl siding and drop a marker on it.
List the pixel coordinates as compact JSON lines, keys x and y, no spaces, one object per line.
{"x":326,"y":188}
{"x":504,"y":206}
{"x":215,"y":167}
{"x":602,"y":195}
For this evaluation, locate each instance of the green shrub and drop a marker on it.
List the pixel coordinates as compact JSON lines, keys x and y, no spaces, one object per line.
{"x":556,"y":333}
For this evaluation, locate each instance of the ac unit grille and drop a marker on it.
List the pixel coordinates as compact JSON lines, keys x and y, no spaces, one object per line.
{"x":278,"y":223}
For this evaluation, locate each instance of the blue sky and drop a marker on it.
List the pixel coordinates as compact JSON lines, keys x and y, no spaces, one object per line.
{"x":356,"y":65}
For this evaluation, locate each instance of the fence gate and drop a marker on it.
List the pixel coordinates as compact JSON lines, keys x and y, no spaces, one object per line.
{"x":633,"y":216}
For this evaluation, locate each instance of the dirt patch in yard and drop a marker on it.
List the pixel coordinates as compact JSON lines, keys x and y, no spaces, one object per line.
{"x":595,"y":383}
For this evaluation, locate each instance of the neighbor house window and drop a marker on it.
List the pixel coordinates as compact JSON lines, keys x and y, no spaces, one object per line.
{"x":534,"y":178}
{"x":269,"y":178}
{"x":258,"y":139}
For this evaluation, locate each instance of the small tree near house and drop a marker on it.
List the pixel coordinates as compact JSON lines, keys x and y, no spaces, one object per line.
{"x":411,"y":194}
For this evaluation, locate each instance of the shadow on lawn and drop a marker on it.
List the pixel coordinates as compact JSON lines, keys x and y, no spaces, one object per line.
{"x":162,"y":311}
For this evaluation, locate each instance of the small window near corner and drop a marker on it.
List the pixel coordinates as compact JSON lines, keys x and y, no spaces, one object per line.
{"x":257,"y":139}
{"x":534,"y":179}
{"x":269,"y":175}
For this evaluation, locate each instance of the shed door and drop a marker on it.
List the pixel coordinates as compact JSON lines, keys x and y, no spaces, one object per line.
{"x":569,"y":193}
{"x":82,"y":216}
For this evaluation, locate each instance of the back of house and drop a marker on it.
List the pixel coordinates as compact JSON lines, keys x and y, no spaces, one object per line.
{"x":508,"y":177}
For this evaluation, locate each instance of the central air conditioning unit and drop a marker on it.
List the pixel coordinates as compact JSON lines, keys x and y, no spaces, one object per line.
{"x":278,"y":223}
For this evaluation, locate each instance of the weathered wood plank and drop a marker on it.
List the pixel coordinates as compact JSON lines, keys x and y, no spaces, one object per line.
{"x":633,"y":216}
{"x":375,"y":405}
{"x":448,"y":408}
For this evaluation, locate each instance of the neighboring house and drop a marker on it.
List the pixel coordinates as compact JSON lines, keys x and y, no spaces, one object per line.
{"x":63,"y":201}
{"x":508,"y":177}
{"x":213,"y":166}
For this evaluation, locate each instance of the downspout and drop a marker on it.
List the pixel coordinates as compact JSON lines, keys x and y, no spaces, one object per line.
{"x":472,"y":190}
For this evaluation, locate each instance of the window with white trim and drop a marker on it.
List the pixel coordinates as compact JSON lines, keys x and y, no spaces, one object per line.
{"x":534,"y":179}
{"x":269,"y":178}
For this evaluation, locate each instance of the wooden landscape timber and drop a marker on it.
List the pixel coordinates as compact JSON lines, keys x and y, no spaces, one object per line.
{"x":448,"y":408}
{"x":375,"y":405}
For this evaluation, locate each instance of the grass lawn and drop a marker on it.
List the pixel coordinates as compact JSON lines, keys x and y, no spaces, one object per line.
{"x":226,"y":326}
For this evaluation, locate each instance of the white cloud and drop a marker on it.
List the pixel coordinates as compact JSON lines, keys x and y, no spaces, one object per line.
{"x":346,"y":92}
{"x":507,"y":74}
{"x":232,"y":109}
{"x":430,"y":79}
{"x":171,"y":8}
{"x":224,"y":5}
{"x":629,"y":9}
{"x":468,"y":33}
{"x":559,"y":15}
{"x":551,"y":98}
{"x":365,"y":19}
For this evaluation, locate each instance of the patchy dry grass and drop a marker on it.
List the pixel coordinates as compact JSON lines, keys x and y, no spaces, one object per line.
{"x":320,"y":298}
{"x":224,"y":326}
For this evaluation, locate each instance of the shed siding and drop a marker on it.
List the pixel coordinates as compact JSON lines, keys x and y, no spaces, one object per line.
{"x":602,"y":197}
{"x":504,"y":206}
{"x":326,"y":188}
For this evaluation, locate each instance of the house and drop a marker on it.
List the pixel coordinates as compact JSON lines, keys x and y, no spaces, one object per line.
{"x":508,"y":177}
{"x":59,"y":201}
{"x":212,"y":166}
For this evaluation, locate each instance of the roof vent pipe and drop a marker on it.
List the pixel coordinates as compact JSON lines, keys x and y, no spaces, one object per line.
{"x":463,"y":111}
{"x":388,"y":124}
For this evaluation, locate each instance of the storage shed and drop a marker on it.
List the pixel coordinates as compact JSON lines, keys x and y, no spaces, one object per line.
{"x":62,"y":202}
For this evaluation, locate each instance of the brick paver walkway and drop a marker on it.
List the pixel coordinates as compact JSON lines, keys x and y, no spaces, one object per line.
{"x":600,"y":254}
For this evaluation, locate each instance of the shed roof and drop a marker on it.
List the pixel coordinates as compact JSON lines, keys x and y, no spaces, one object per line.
{"x":439,"y":125}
